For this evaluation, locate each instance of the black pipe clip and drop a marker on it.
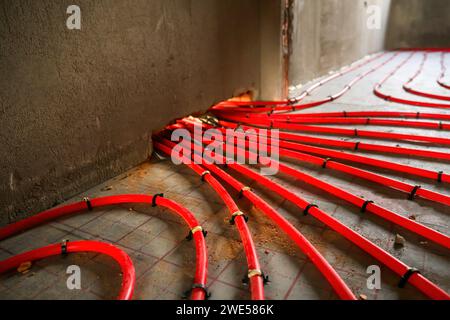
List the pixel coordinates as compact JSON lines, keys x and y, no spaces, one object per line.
{"x":439,"y":177}
{"x":190,"y":236}
{"x":325,"y":162}
{"x":156,"y":197}
{"x":308,"y":207}
{"x":187,"y":293}
{"x":64,"y":247}
{"x":254,"y":273}
{"x":357,"y":145}
{"x":88,"y":203}
{"x":412,"y":195}
{"x":241,"y":192}
{"x":237,"y":214}
{"x":406,"y":276}
{"x":364,"y":206}
{"x":204,"y":173}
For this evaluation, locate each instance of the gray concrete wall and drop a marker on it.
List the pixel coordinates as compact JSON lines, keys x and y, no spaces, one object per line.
{"x":328,"y":34}
{"x":78,"y":107}
{"x":419,"y":23}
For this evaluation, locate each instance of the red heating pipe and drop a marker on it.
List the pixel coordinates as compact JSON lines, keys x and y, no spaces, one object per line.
{"x":88,"y":204}
{"x":305,"y":246}
{"x":377,"y":90}
{"x":124,"y":261}
{"x":300,"y":119}
{"x":416,"y":279}
{"x":371,"y":114}
{"x":440,"y":176}
{"x":291,"y":106}
{"x":273,"y":124}
{"x":255,"y":278}
{"x":408,"y":88}
{"x":355,"y":146}
{"x":363,"y":174}
{"x":391,"y":216}
{"x":441,"y":80}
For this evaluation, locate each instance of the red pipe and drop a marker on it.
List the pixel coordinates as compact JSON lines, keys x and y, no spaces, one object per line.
{"x":363,"y":174}
{"x":391,"y":216}
{"x":305,"y":246}
{"x":273,"y":124}
{"x":290,"y":106}
{"x":417,"y":280}
{"x":300,"y":119}
{"x":371,"y":114}
{"x":88,"y":204}
{"x":124,"y":261}
{"x":377,"y":90}
{"x":256,"y":282}
{"x":355,"y":146}
{"x":407,"y":86}
{"x":387,"y":165}
{"x":441,"y":80}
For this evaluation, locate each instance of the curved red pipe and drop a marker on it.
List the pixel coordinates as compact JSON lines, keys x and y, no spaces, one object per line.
{"x":417,"y":280}
{"x":378,"y":92}
{"x":408,"y":88}
{"x":305,"y":246}
{"x":124,"y":261}
{"x":186,"y":215}
{"x":279,"y":106}
{"x":256,"y":282}
{"x":441,"y":80}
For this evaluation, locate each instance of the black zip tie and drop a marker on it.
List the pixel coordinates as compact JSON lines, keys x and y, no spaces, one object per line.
{"x":64,"y":247}
{"x":345,"y":114}
{"x":294,"y":108}
{"x":237,"y":214}
{"x":331,"y":98}
{"x":357,"y":145}
{"x":156,"y":197}
{"x":204,"y":173}
{"x":406,"y":276}
{"x":241,"y":192}
{"x":255,"y":273}
{"x":190,"y":236}
{"x":440,"y":125}
{"x":413,"y":192}
{"x":187,"y":293}
{"x":325,"y":162}
{"x":367,"y":121}
{"x":356,"y":132}
{"x":439,"y":177}
{"x":271,"y":124}
{"x":88,"y":203}
{"x":364,"y":206}
{"x":308,"y":207}
{"x":417,"y":115}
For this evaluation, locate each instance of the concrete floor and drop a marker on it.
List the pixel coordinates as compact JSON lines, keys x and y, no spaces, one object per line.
{"x":164,"y":260}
